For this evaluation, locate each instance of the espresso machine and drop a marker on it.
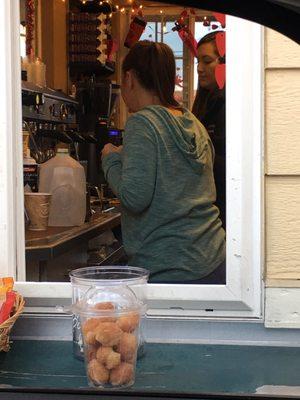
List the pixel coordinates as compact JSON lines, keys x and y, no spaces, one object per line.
{"x":50,"y":117}
{"x":96,"y":105}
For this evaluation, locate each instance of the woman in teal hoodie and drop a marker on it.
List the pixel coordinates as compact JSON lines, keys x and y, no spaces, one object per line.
{"x":163,"y":176}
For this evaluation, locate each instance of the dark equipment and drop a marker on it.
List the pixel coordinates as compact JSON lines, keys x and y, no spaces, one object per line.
{"x":50,"y":117}
{"x":96,"y":105}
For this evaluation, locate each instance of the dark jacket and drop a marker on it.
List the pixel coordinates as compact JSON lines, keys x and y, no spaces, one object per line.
{"x":213,"y":118}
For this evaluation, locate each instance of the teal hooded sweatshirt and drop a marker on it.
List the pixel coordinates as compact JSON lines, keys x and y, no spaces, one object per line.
{"x":164,"y":180}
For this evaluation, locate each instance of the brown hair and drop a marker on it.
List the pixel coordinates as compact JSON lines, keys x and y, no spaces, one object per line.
{"x":210,"y":37}
{"x":155,"y":68}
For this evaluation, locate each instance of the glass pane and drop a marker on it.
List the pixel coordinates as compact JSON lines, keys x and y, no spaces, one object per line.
{"x":149,"y":32}
{"x":172,"y":39}
{"x":22,"y":40}
{"x":179,"y":81}
{"x":88,"y":82}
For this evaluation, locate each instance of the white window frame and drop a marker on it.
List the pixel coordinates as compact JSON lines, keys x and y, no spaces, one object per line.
{"x":241,"y":297}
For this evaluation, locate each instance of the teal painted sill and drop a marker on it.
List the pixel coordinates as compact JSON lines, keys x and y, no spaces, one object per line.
{"x":191,"y":370}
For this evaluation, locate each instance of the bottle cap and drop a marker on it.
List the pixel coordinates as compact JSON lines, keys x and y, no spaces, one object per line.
{"x":62,"y":150}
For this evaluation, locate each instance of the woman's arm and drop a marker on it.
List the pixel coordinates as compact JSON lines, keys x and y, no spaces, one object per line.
{"x":132,"y":174}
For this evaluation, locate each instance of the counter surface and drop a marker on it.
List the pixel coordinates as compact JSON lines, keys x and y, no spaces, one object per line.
{"x":44,"y":245}
{"x":56,"y":236}
{"x":56,"y":242}
{"x":166,"y":369}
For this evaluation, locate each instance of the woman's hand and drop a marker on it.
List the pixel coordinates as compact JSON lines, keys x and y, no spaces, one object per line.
{"x":110,"y":148}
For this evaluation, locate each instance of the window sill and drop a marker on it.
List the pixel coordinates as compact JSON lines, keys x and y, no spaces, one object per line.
{"x":174,"y":370}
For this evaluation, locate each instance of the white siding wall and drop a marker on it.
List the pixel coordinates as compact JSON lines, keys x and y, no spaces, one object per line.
{"x":282,"y":169}
{"x":282,"y":155}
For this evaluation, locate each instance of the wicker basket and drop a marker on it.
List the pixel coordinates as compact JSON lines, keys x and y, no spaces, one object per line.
{"x":6,"y":326}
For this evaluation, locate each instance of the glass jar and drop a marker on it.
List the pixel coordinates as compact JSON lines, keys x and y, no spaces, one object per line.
{"x":83,"y":279}
{"x":110,"y":319}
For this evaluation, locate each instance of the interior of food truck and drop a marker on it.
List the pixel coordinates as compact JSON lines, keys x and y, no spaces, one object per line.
{"x":71,"y":56}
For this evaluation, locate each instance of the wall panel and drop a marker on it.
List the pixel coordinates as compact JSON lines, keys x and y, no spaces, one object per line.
{"x":281,"y":52}
{"x":282,"y":121}
{"x":283,"y":228}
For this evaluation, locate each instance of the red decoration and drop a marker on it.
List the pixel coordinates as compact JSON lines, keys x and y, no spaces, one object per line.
{"x":220,"y":71}
{"x":136,"y":29}
{"x":221,"y":18}
{"x":220,"y":74}
{"x":188,"y":39}
{"x":184,"y":14}
{"x":7,"y":307}
{"x":112,"y":48}
{"x":29,"y":7}
{"x":185,"y":34}
{"x":221,"y":43}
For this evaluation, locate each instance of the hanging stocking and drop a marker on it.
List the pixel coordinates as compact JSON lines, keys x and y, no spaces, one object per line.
{"x":136,"y":30}
{"x":188,"y":39}
{"x":185,"y":34}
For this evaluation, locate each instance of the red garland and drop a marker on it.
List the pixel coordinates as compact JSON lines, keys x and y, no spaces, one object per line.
{"x":29,"y":26}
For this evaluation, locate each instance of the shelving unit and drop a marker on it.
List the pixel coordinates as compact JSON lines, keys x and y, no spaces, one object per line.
{"x":89,"y":40}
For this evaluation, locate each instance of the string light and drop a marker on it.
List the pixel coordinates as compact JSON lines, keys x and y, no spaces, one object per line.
{"x":101,"y":2}
{"x":122,"y":9}
{"x":206,"y":21}
{"x":141,"y":6}
{"x":161,"y":11}
{"x":117,"y":7}
{"x":110,"y":15}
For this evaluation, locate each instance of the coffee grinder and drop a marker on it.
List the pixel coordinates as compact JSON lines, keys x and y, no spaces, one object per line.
{"x":96,"y":105}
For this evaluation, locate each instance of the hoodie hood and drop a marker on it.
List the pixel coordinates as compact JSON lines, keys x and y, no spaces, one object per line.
{"x":189,"y":135}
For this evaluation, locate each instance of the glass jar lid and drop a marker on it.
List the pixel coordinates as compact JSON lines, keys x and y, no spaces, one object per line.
{"x":108,"y":301}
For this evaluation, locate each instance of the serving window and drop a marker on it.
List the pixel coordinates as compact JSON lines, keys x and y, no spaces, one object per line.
{"x":240,"y":296}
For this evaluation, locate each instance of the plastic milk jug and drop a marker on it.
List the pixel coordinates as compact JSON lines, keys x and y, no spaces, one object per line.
{"x":64,"y":178}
